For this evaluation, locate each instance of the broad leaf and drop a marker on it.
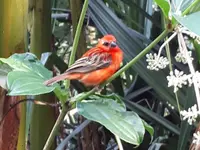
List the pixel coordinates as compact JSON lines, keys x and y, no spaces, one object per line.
{"x":27,"y":62}
{"x":28,"y":75}
{"x":26,"y":83}
{"x":120,"y":106}
{"x":190,"y":21}
{"x":127,"y":125}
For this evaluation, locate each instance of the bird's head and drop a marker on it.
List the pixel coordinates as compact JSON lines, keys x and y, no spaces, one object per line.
{"x":108,"y":42}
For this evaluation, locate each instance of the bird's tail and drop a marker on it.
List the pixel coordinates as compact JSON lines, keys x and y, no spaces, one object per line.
{"x":56,"y":79}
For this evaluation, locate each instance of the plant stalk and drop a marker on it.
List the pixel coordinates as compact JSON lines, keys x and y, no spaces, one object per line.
{"x":55,"y":129}
{"x":77,"y":37}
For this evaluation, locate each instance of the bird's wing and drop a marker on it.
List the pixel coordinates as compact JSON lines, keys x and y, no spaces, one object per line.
{"x":90,"y":63}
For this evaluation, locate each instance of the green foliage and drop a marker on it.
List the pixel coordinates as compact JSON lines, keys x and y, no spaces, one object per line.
{"x":26,"y":83}
{"x":27,"y":76}
{"x":27,"y":62}
{"x":113,"y":115}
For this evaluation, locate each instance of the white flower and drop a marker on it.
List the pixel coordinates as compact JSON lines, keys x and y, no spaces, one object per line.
{"x":177,"y":79}
{"x":180,"y":57}
{"x":196,"y":138}
{"x":191,"y":115}
{"x":156,"y":62}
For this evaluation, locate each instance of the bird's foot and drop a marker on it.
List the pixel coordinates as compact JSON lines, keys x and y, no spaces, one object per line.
{"x":98,"y":88}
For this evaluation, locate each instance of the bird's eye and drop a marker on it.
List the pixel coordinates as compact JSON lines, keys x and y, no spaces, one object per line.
{"x":106,"y":43}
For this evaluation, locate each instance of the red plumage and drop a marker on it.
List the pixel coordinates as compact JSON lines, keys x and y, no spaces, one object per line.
{"x":96,"y":65}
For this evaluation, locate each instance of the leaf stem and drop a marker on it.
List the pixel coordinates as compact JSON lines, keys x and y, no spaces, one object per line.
{"x":55,"y":129}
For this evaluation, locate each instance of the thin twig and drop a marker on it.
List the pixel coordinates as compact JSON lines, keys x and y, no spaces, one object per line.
{"x":165,"y":43}
{"x":170,"y":68}
{"x":77,"y":37}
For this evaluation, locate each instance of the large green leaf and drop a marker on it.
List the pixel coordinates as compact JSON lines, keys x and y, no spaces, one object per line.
{"x":28,"y":75}
{"x":191,"y":22}
{"x":26,"y":83}
{"x":120,"y":106}
{"x":125,"y":124}
{"x":27,"y":62}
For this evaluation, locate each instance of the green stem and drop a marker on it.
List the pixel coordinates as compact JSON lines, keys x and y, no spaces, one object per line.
{"x":127,"y":66}
{"x":55,"y":129}
{"x":170,"y":68}
{"x":77,"y":36}
{"x":189,"y":8}
{"x":78,"y":31}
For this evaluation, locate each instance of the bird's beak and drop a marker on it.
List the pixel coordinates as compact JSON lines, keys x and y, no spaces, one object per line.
{"x":113,"y":44}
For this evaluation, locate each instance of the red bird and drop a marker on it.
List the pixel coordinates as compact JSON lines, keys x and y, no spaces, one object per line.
{"x":96,"y":65}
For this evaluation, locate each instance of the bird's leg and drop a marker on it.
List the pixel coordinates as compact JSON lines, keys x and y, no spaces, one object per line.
{"x":98,"y":88}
